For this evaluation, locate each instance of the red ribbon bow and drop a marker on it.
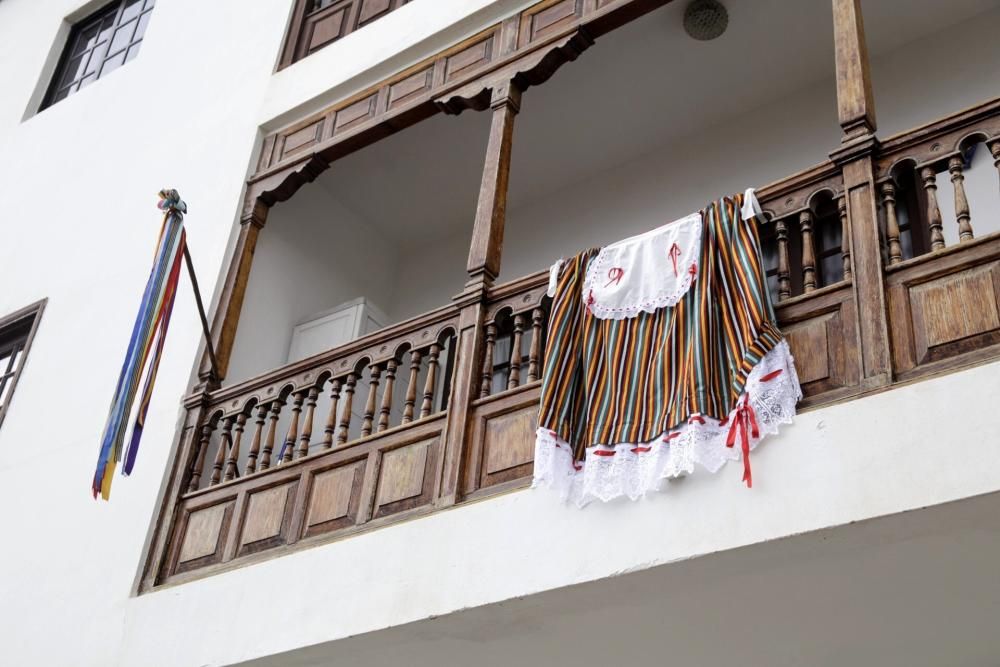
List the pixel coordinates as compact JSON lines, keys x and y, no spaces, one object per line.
{"x":745,"y":420}
{"x":674,"y":253}
{"x":693,"y":270}
{"x":615,"y":274}
{"x":590,"y":301}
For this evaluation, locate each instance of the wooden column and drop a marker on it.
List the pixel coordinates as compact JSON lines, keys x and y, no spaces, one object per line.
{"x":856,"y":113}
{"x":487,"y":235}
{"x":483,"y":268}
{"x":855,"y":102}
{"x":227,"y":313}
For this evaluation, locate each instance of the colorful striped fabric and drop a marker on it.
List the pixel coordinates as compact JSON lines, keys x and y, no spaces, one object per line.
{"x":609,"y":381}
{"x":144,"y":349}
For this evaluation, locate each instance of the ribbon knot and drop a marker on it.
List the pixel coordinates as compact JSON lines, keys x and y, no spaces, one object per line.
{"x":744,"y":424}
{"x":170,"y":200}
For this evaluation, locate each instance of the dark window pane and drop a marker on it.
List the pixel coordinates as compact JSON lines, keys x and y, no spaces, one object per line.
{"x":833,"y":269}
{"x":73,"y":67}
{"x":100,"y":45}
{"x":113,"y":63}
{"x":87,"y":38}
{"x":62,"y":94}
{"x":132,"y":9}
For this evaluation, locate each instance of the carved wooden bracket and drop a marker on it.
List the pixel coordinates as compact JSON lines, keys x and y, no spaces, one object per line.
{"x":533,"y":69}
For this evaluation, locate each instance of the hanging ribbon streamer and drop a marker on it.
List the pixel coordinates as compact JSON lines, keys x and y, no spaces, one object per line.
{"x":145,"y":347}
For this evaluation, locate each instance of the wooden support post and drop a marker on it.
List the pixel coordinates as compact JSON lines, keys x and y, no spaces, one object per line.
{"x":855,"y":102}
{"x":227,"y":314}
{"x":856,"y":112}
{"x":487,"y":235}
{"x":483,"y":268}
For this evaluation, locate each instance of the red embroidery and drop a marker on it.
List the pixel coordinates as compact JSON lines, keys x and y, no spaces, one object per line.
{"x":674,"y":253}
{"x":693,"y":270}
{"x":770,"y":376}
{"x":670,"y":437}
{"x":604,"y":452}
{"x":577,"y":467}
{"x":615,"y":275}
{"x":696,"y":418}
{"x":590,"y":301}
{"x":640,"y":450}
{"x":746,"y":421}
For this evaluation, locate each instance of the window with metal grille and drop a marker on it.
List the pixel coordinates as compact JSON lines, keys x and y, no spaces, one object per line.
{"x":16,"y":333}
{"x":98,"y":45}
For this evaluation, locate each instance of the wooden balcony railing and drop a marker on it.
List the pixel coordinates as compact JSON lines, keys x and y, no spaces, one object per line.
{"x":363,"y":435}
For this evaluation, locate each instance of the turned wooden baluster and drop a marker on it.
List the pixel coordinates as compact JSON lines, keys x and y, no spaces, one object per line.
{"x":331,"y":417}
{"x":514,"y":378}
{"x":220,"y":455}
{"x":994,"y":147}
{"x":272,"y":434}
{"x":487,"y":383}
{"x":374,"y":373}
{"x":929,"y":177}
{"x":431,"y":382}
{"x":845,"y":236}
{"x":233,"y":461}
{"x":784,"y":271}
{"x":345,"y":412}
{"x":535,"y":353}
{"x":386,"y":409}
{"x":258,"y":434}
{"x":808,"y":254}
{"x":199,"y":459}
{"x":955,"y":168}
{"x":411,"y":387}
{"x":891,"y":223}
{"x":307,"y":422}
{"x":288,"y":448}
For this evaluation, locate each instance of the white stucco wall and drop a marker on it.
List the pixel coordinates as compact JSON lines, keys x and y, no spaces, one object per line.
{"x":78,"y":222}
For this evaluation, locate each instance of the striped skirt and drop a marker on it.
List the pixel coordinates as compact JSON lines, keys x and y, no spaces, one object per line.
{"x":627,"y":403}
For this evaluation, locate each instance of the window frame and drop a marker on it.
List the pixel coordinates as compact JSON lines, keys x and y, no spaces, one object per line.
{"x":76,"y":28}
{"x":10,"y":321}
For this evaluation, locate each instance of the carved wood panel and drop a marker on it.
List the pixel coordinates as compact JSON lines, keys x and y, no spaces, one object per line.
{"x":548,"y":18}
{"x":334,"y":498}
{"x":946,"y":310}
{"x":267,"y":518}
{"x":502,"y":439}
{"x":469,"y":58}
{"x":822,"y":335}
{"x":203,"y":534}
{"x":405,"y":477}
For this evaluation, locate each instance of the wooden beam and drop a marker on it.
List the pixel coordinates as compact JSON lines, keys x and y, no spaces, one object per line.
{"x":227,"y":314}
{"x":855,"y":102}
{"x":487,"y":235}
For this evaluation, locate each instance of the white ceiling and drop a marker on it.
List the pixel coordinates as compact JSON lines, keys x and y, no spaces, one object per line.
{"x":918,"y":589}
{"x":638,"y":88}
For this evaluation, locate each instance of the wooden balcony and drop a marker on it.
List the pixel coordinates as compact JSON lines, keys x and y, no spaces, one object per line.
{"x":441,"y":420}
{"x":318,"y":23}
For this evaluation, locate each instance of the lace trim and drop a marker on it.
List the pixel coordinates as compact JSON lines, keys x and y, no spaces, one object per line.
{"x":608,"y":307}
{"x":632,"y":470}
